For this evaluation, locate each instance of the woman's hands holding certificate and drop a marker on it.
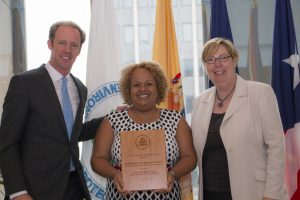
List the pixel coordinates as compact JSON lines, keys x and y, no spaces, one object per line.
{"x":119,"y":183}
{"x":170,"y":182}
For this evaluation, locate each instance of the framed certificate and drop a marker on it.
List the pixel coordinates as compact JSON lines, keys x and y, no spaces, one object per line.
{"x":144,"y":165}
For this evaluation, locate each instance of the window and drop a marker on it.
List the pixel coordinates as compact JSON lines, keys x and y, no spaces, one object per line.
{"x":187,"y":32}
{"x":128,"y":34}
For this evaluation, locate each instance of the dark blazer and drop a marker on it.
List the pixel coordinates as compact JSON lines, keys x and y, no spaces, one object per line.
{"x":35,"y":150}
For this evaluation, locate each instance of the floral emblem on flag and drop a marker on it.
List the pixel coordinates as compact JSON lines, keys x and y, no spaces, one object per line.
{"x":175,"y":94}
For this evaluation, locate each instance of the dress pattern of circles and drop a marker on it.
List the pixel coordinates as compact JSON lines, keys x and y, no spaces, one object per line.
{"x":121,"y":121}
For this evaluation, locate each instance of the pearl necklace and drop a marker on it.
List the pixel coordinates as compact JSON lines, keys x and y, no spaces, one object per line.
{"x":221,"y":101}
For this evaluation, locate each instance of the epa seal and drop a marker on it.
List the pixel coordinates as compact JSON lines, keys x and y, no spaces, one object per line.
{"x":142,"y":142}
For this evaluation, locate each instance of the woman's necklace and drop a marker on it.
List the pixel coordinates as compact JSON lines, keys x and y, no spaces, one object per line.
{"x":221,"y":101}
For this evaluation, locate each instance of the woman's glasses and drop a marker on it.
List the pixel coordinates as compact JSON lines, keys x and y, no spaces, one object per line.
{"x":221,"y":58}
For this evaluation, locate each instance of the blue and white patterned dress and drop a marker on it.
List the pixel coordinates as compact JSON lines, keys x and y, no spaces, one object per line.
{"x":120,"y":121}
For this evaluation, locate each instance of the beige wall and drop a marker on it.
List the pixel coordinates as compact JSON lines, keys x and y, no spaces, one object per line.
{"x":5,"y":49}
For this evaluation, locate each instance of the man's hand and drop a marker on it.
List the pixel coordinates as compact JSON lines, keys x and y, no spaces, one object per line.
{"x":121,"y":108}
{"x":23,"y":197}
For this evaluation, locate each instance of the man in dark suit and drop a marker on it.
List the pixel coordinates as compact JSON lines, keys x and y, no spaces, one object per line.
{"x":39,"y":158}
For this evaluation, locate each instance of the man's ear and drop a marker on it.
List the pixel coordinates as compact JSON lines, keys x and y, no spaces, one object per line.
{"x":49,"y":42}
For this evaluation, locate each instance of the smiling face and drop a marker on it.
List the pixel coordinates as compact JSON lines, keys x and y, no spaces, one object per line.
{"x":222,"y":71}
{"x":65,"y":47}
{"x":143,"y":90}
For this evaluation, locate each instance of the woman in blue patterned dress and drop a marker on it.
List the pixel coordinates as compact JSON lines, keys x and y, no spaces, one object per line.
{"x":143,"y":86}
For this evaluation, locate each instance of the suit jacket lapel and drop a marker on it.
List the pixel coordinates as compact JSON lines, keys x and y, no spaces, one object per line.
{"x":209,"y":101}
{"x":77,"y":121}
{"x":206,"y":106}
{"x":50,"y":91}
{"x":238,"y":98}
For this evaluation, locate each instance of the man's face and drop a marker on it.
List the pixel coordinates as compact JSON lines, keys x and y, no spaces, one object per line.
{"x":65,"y":48}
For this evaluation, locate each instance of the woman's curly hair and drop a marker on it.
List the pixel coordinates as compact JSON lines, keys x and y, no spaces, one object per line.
{"x":155,"y":69}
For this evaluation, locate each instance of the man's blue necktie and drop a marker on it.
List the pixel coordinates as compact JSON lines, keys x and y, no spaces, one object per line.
{"x":67,"y":106}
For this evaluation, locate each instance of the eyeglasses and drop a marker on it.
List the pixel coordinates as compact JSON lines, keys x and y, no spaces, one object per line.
{"x":221,"y":58}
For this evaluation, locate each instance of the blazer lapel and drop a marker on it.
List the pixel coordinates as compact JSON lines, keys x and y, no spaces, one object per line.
{"x":208,"y":101}
{"x":78,"y":117}
{"x":238,"y":98}
{"x":206,"y":106}
{"x":47,"y":83}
